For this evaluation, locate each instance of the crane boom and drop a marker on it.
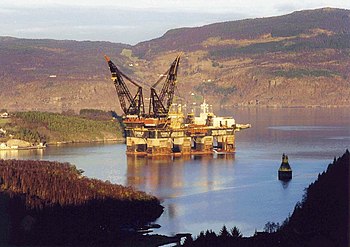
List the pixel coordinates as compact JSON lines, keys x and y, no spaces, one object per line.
{"x":160,"y":105}
{"x":130,"y":105}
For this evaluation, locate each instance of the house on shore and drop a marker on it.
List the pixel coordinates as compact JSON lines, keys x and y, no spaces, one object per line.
{"x":4,"y":115}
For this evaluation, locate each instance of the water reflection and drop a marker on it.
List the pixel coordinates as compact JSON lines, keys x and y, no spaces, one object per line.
{"x":169,"y":177}
{"x":285,"y":183}
{"x":152,"y":174}
{"x":21,"y":154}
{"x":172,"y":210}
{"x":241,"y":190}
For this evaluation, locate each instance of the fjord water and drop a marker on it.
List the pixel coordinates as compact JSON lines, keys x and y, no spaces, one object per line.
{"x":206,"y":192}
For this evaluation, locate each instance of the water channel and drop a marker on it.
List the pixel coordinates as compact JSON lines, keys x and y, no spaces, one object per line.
{"x":206,"y":192}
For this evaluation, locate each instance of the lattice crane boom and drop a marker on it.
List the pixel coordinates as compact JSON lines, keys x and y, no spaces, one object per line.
{"x":160,"y":105}
{"x":130,"y":105}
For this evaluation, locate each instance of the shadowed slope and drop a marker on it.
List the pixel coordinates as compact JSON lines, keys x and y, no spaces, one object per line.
{"x":52,"y":203}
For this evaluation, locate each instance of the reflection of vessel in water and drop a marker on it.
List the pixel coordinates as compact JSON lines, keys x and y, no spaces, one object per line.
{"x":285,"y":171}
{"x":170,"y":176}
{"x":165,"y":130}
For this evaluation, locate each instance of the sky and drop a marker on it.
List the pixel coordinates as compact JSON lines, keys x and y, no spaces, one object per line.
{"x":133,"y":21}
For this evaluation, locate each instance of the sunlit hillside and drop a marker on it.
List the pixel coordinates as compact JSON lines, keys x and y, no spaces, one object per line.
{"x":299,"y":59}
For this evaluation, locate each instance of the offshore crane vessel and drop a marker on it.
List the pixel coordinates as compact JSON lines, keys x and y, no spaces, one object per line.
{"x":164,"y":130}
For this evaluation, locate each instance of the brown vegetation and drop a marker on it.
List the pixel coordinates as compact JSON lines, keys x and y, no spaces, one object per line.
{"x":299,"y":59}
{"x":52,"y":203}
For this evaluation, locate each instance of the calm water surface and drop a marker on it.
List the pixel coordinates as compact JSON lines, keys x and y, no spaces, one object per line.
{"x":240,"y":190}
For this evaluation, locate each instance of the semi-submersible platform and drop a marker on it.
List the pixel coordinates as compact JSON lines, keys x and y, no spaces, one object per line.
{"x":165,"y":130}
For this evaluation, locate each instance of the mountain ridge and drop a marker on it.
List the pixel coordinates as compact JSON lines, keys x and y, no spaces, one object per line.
{"x":237,"y":29}
{"x":298,"y":59}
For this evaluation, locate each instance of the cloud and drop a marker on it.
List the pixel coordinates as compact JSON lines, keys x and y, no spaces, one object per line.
{"x":7,"y":11}
{"x":160,"y":6}
{"x":285,"y":7}
{"x":100,"y":23}
{"x":32,"y":30}
{"x":217,"y":6}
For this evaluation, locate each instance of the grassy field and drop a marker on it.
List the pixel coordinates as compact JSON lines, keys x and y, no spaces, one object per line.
{"x":4,"y":121}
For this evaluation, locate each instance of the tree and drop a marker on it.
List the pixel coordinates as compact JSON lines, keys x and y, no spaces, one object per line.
{"x":235,"y":233}
{"x":210,"y":236}
{"x":188,"y":241}
{"x":271,"y":227}
{"x":224,"y":232}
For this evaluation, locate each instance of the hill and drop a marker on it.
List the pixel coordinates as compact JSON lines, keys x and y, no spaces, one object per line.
{"x":52,"y":128}
{"x":51,"y":204}
{"x":327,"y":21}
{"x":299,"y":59}
{"x":56,"y":75}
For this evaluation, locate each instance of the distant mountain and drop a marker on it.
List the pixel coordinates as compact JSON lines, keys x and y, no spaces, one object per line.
{"x":56,"y":75}
{"x":296,"y":26}
{"x":25,"y":60}
{"x":299,"y":59}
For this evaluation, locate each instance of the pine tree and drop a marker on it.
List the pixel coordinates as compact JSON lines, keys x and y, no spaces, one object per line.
{"x":235,"y":233}
{"x":224,"y":232}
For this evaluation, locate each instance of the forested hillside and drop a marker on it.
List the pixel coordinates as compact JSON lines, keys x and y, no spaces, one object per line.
{"x":52,"y":128}
{"x":50,"y":204}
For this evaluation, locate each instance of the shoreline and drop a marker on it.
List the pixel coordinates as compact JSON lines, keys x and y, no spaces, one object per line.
{"x":228,"y":106}
{"x":41,"y":147}
{"x":113,"y":140}
{"x":22,"y":148}
{"x":33,"y":147}
{"x":276,"y":106}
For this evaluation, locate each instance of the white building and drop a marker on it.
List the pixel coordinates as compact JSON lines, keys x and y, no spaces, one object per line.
{"x":4,"y":115}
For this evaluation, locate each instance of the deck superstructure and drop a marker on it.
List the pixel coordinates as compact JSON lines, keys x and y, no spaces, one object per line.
{"x":166,"y":130}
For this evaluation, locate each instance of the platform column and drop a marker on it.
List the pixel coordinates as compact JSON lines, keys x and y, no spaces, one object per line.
{"x":135,"y":145}
{"x":229,"y":143}
{"x":159,"y":146}
{"x":203,"y":144}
